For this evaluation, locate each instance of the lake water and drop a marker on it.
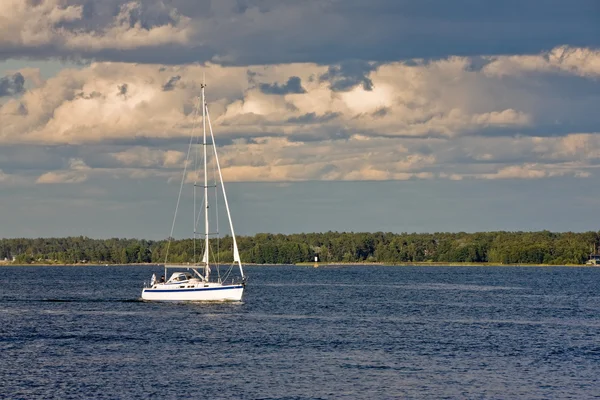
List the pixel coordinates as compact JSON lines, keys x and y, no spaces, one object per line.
{"x":368,"y":332}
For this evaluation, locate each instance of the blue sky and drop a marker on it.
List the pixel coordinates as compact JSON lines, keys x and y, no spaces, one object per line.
{"x":402,"y":116}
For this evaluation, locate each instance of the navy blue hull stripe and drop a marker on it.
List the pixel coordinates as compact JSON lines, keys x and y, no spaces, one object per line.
{"x":191,"y":290}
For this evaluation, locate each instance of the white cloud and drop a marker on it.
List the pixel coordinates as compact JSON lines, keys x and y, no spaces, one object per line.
{"x":60,"y":25}
{"x":507,"y":117}
{"x":109,"y":101}
{"x":76,"y":173}
{"x":5,"y":178}
{"x":527,"y":171}
{"x":420,"y":121}
{"x":576,"y":61}
{"x":146,"y":157}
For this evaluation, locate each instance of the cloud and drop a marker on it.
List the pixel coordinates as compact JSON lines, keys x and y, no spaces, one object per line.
{"x":12,"y":85}
{"x":7,"y":179}
{"x":123,"y":89}
{"x":170,"y":85}
{"x":387,"y":30}
{"x":146,"y":157}
{"x":507,"y":117}
{"x":75,"y":173}
{"x":348,"y":74}
{"x":420,"y":120}
{"x":292,"y":86}
{"x":583,"y":62}
{"x":236,"y":32}
{"x":313,"y":118}
{"x":129,"y":102}
{"x":527,"y":171}
{"x":55,"y":28}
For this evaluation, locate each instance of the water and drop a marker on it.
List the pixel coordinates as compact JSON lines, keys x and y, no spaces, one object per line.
{"x":302,"y":333}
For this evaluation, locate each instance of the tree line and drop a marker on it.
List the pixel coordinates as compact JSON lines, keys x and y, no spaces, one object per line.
{"x":494,"y":247}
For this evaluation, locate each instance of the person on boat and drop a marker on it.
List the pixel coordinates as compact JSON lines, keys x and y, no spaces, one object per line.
{"x":162,"y":279}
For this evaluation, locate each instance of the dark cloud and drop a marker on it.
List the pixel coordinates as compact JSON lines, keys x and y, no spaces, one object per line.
{"x":251,"y":75}
{"x":123,"y":89}
{"x":147,"y":14}
{"x":382,"y":112}
{"x":319,"y":134}
{"x":98,"y":17}
{"x":12,"y":85}
{"x":293,"y":85}
{"x":180,"y":142}
{"x":349,"y":74}
{"x":170,"y":85}
{"x":312,"y":118}
{"x":477,"y":63}
{"x":20,"y":110}
{"x":235,"y":33}
{"x":390,"y":30}
{"x":88,"y":96}
{"x":559,"y":104}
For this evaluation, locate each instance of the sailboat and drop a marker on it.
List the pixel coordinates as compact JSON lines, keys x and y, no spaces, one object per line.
{"x":196,"y":281}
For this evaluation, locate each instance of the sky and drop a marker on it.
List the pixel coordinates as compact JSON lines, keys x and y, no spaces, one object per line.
{"x":381,"y":115}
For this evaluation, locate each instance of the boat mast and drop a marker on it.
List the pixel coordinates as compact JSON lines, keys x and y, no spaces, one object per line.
{"x":206,"y":266}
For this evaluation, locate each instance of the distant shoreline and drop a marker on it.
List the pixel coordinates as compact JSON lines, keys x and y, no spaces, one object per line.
{"x":10,"y":264}
{"x":517,"y":248}
{"x":438,"y":264}
{"x":315,"y":265}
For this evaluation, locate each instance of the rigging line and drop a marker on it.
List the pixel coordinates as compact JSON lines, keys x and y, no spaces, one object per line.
{"x":199,"y":214}
{"x":214,"y":258}
{"x":227,"y":273}
{"x":185,"y":164}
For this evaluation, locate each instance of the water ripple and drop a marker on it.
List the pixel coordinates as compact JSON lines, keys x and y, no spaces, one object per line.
{"x":306,"y":333}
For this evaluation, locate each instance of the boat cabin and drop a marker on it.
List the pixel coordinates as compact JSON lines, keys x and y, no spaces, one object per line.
{"x":180,"y":277}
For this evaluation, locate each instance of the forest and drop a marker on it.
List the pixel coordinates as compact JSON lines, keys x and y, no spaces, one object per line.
{"x":264,"y":248}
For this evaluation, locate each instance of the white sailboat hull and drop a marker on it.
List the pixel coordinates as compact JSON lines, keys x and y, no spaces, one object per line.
{"x":213,"y":292}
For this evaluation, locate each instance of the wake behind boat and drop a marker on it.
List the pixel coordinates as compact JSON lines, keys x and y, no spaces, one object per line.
{"x":195,"y":281}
